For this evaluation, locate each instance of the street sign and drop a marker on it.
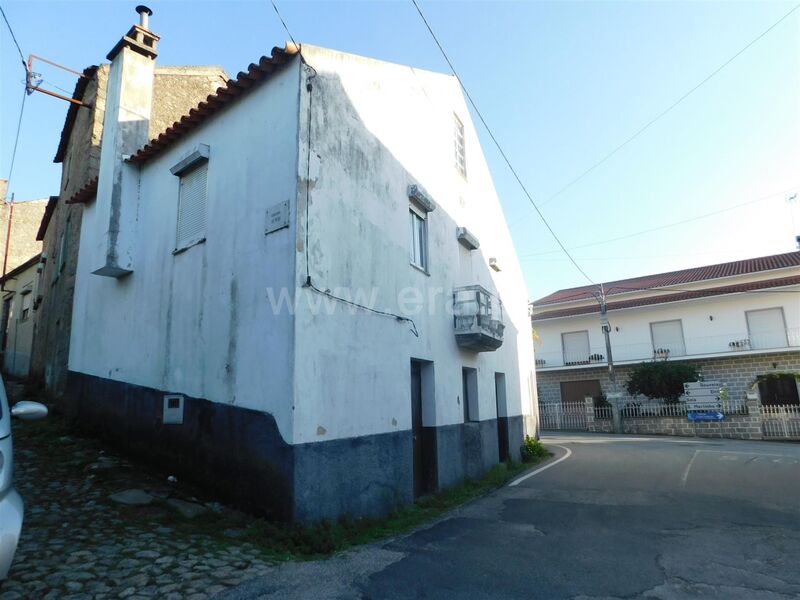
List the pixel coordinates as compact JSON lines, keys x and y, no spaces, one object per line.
{"x":708,"y":415}
{"x":702,"y":395}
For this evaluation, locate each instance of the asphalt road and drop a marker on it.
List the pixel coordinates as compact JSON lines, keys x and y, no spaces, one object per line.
{"x":618,"y":517}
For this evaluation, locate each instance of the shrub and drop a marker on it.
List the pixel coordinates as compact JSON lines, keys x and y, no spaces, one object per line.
{"x":532,"y":450}
{"x":661,"y":380}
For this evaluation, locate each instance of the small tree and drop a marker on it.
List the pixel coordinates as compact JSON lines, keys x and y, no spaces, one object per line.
{"x":661,"y":380}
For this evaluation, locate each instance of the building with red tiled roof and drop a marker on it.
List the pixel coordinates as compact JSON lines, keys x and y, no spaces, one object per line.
{"x":737,"y":321}
{"x":303,"y":292}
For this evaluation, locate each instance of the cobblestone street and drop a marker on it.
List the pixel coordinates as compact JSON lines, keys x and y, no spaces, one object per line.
{"x":155,"y":540}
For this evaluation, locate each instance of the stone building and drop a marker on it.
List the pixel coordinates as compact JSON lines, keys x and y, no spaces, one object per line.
{"x":175,"y":90}
{"x":737,"y":322}
{"x":304,"y":292}
{"x":25,"y":217}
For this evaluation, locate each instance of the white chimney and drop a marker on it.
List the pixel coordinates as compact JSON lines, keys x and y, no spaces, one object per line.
{"x":126,"y":124}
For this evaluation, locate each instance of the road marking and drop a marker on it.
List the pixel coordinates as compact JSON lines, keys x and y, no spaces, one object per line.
{"x":516,"y":482}
{"x":747,"y":453}
{"x":688,"y":467}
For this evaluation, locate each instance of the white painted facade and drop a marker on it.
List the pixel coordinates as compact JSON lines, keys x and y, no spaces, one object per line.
{"x":202,"y":321}
{"x":712,"y":327}
{"x":20,"y":295}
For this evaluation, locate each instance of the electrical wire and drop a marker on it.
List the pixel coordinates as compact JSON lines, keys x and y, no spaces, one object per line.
{"x":309,"y":284}
{"x":497,"y":144}
{"x":652,"y":121}
{"x":666,"y":226}
{"x":13,"y":37}
{"x":16,"y":140}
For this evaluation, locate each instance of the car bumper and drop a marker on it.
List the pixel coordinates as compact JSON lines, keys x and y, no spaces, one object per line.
{"x":11,"y":511}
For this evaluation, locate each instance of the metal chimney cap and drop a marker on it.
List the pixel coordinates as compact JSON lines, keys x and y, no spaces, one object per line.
{"x":143,"y":9}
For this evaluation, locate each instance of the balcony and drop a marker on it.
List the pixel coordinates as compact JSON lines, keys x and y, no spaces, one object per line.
{"x":478,"y":319}
{"x":700,"y":346}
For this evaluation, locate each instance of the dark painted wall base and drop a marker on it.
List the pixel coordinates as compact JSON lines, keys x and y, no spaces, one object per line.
{"x":240,"y":454}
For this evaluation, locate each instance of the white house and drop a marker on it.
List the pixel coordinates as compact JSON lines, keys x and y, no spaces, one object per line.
{"x":737,"y":321}
{"x":304,"y":292}
{"x":19,"y":289}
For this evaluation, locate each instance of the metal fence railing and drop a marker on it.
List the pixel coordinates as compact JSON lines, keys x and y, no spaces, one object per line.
{"x":781,"y":422}
{"x":657,"y":408}
{"x":569,"y":416}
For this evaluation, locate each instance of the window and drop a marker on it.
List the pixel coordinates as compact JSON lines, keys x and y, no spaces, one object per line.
{"x":667,"y":339}
{"x":461,"y":157}
{"x":63,"y":241}
{"x":469,"y":381}
{"x":419,"y":238}
{"x":27,"y":300}
{"x":766,"y":328}
{"x":575,"y":345}
{"x":192,"y":207}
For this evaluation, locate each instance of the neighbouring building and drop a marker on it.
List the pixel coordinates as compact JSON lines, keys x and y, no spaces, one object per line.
{"x":175,"y":90}
{"x":303,"y":292}
{"x":19,"y":288}
{"x":736,"y":321}
{"x":21,"y":244}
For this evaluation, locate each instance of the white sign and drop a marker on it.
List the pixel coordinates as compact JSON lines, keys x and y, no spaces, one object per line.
{"x":702,"y":395}
{"x":277,"y":217}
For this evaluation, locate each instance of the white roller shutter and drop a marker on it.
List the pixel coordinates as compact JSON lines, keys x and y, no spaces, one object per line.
{"x":668,"y":335}
{"x":192,"y":207}
{"x":767,"y":328}
{"x":576,"y":347}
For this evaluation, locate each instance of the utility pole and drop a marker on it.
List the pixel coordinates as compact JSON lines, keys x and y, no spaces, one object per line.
{"x":606,"y":326}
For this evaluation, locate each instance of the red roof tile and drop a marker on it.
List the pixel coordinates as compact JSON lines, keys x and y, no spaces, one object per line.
{"x":739,"y":267}
{"x":86,"y":193}
{"x":664,"y":297}
{"x":225,"y":95}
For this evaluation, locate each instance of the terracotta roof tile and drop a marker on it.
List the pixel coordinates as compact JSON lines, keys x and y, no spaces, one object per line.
{"x":662,"y":298}
{"x":86,"y":193}
{"x":729,"y":269}
{"x":231,"y":91}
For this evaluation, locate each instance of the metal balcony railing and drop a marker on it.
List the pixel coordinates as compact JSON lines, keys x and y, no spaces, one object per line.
{"x":732,"y":343}
{"x":477,"y":319}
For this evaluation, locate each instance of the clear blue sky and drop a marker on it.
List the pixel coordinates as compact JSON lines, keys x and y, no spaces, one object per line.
{"x":561,"y":84}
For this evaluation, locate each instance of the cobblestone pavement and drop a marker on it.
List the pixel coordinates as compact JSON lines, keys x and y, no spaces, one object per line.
{"x":79,"y":543}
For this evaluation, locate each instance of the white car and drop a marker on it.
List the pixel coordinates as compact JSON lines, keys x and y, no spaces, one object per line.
{"x":11,"y":507}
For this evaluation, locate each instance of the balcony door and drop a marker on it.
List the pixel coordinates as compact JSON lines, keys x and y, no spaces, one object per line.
{"x":667,"y":339}
{"x":766,"y":328}
{"x":576,"y":347}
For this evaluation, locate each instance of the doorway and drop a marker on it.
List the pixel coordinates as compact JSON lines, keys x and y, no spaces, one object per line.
{"x":502,"y":415}
{"x":423,"y":438}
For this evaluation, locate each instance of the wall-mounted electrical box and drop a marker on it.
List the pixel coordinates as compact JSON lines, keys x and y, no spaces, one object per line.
{"x":173,"y":409}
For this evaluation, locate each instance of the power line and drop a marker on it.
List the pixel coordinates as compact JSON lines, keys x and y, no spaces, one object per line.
{"x":665,"y":226}
{"x":280,"y":18}
{"x":13,"y":37}
{"x":497,"y":144}
{"x":16,"y":140}
{"x":670,"y":107}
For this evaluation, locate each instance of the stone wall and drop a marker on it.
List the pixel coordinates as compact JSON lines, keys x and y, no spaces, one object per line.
{"x":24,"y":225}
{"x":734,"y":426}
{"x":736,"y":372}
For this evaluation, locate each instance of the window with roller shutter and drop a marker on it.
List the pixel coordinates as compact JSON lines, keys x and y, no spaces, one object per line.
{"x":192,"y":207}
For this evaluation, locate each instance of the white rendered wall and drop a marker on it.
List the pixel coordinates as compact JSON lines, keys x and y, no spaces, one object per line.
{"x":19,"y":342}
{"x":199,"y":322}
{"x":701,"y":334}
{"x":376,"y":128}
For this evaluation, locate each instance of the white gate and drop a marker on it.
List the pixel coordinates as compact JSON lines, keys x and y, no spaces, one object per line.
{"x":563,"y":416}
{"x":781,"y":422}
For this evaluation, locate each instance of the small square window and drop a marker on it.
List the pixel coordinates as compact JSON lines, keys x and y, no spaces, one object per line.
{"x":461,"y":157}
{"x":419,"y":239}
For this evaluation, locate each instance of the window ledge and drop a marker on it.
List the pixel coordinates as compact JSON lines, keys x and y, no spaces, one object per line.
{"x":420,"y":269}
{"x":184,"y":248}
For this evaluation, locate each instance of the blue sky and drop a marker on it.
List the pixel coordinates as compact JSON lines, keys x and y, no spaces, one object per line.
{"x":561,"y":84}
